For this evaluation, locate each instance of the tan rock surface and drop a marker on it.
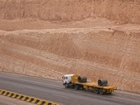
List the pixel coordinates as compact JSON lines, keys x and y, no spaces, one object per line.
{"x":70,"y":10}
{"x":66,"y":43}
{"x":102,"y":53}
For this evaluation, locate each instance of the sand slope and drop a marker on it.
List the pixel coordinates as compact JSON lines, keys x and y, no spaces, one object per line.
{"x":49,"y":38}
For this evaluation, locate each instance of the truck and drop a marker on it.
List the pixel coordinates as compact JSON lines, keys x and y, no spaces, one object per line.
{"x":80,"y":82}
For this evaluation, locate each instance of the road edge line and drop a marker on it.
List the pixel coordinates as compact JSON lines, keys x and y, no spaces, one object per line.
{"x":25,"y":98}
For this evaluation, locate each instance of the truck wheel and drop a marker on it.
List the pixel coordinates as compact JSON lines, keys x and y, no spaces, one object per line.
{"x":82,"y":88}
{"x":76,"y":87}
{"x":72,"y":86}
{"x":66,"y":85}
{"x":96,"y":91}
{"x":101,"y":91}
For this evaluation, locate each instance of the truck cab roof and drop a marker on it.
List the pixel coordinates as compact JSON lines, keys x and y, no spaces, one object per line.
{"x":67,"y":75}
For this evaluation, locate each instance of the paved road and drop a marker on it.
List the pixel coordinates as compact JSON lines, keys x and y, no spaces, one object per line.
{"x":4,"y":100}
{"x":54,"y":91}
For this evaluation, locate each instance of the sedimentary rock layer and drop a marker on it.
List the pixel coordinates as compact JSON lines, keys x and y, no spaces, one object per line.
{"x":123,"y":11}
{"x":96,"y":53}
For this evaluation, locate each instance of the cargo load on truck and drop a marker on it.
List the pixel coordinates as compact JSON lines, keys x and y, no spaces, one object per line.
{"x":80,"y":82}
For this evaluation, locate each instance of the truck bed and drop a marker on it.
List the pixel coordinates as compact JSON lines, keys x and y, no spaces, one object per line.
{"x":94,"y":84}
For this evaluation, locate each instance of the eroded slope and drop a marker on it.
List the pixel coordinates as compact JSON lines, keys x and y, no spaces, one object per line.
{"x":110,"y":54}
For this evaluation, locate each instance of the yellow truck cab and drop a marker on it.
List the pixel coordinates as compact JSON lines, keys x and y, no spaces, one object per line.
{"x":80,"y":82}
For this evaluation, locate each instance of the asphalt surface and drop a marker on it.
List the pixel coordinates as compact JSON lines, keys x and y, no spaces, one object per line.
{"x":54,"y":91}
{"x":4,"y":100}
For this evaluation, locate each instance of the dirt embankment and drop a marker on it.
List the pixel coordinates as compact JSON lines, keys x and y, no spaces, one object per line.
{"x":123,"y":11}
{"x":52,"y":10}
{"x":49,"y":38}
{"x":110,"y":54}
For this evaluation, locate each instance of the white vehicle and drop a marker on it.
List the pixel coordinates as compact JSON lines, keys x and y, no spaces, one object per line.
{"x":67,"y":79}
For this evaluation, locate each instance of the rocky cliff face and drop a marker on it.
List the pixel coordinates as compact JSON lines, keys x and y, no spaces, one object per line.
{"x":123,"y":11}
{"x":96,"y":53}
{"x":54,"y":10}
{"x":49,"y":38}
